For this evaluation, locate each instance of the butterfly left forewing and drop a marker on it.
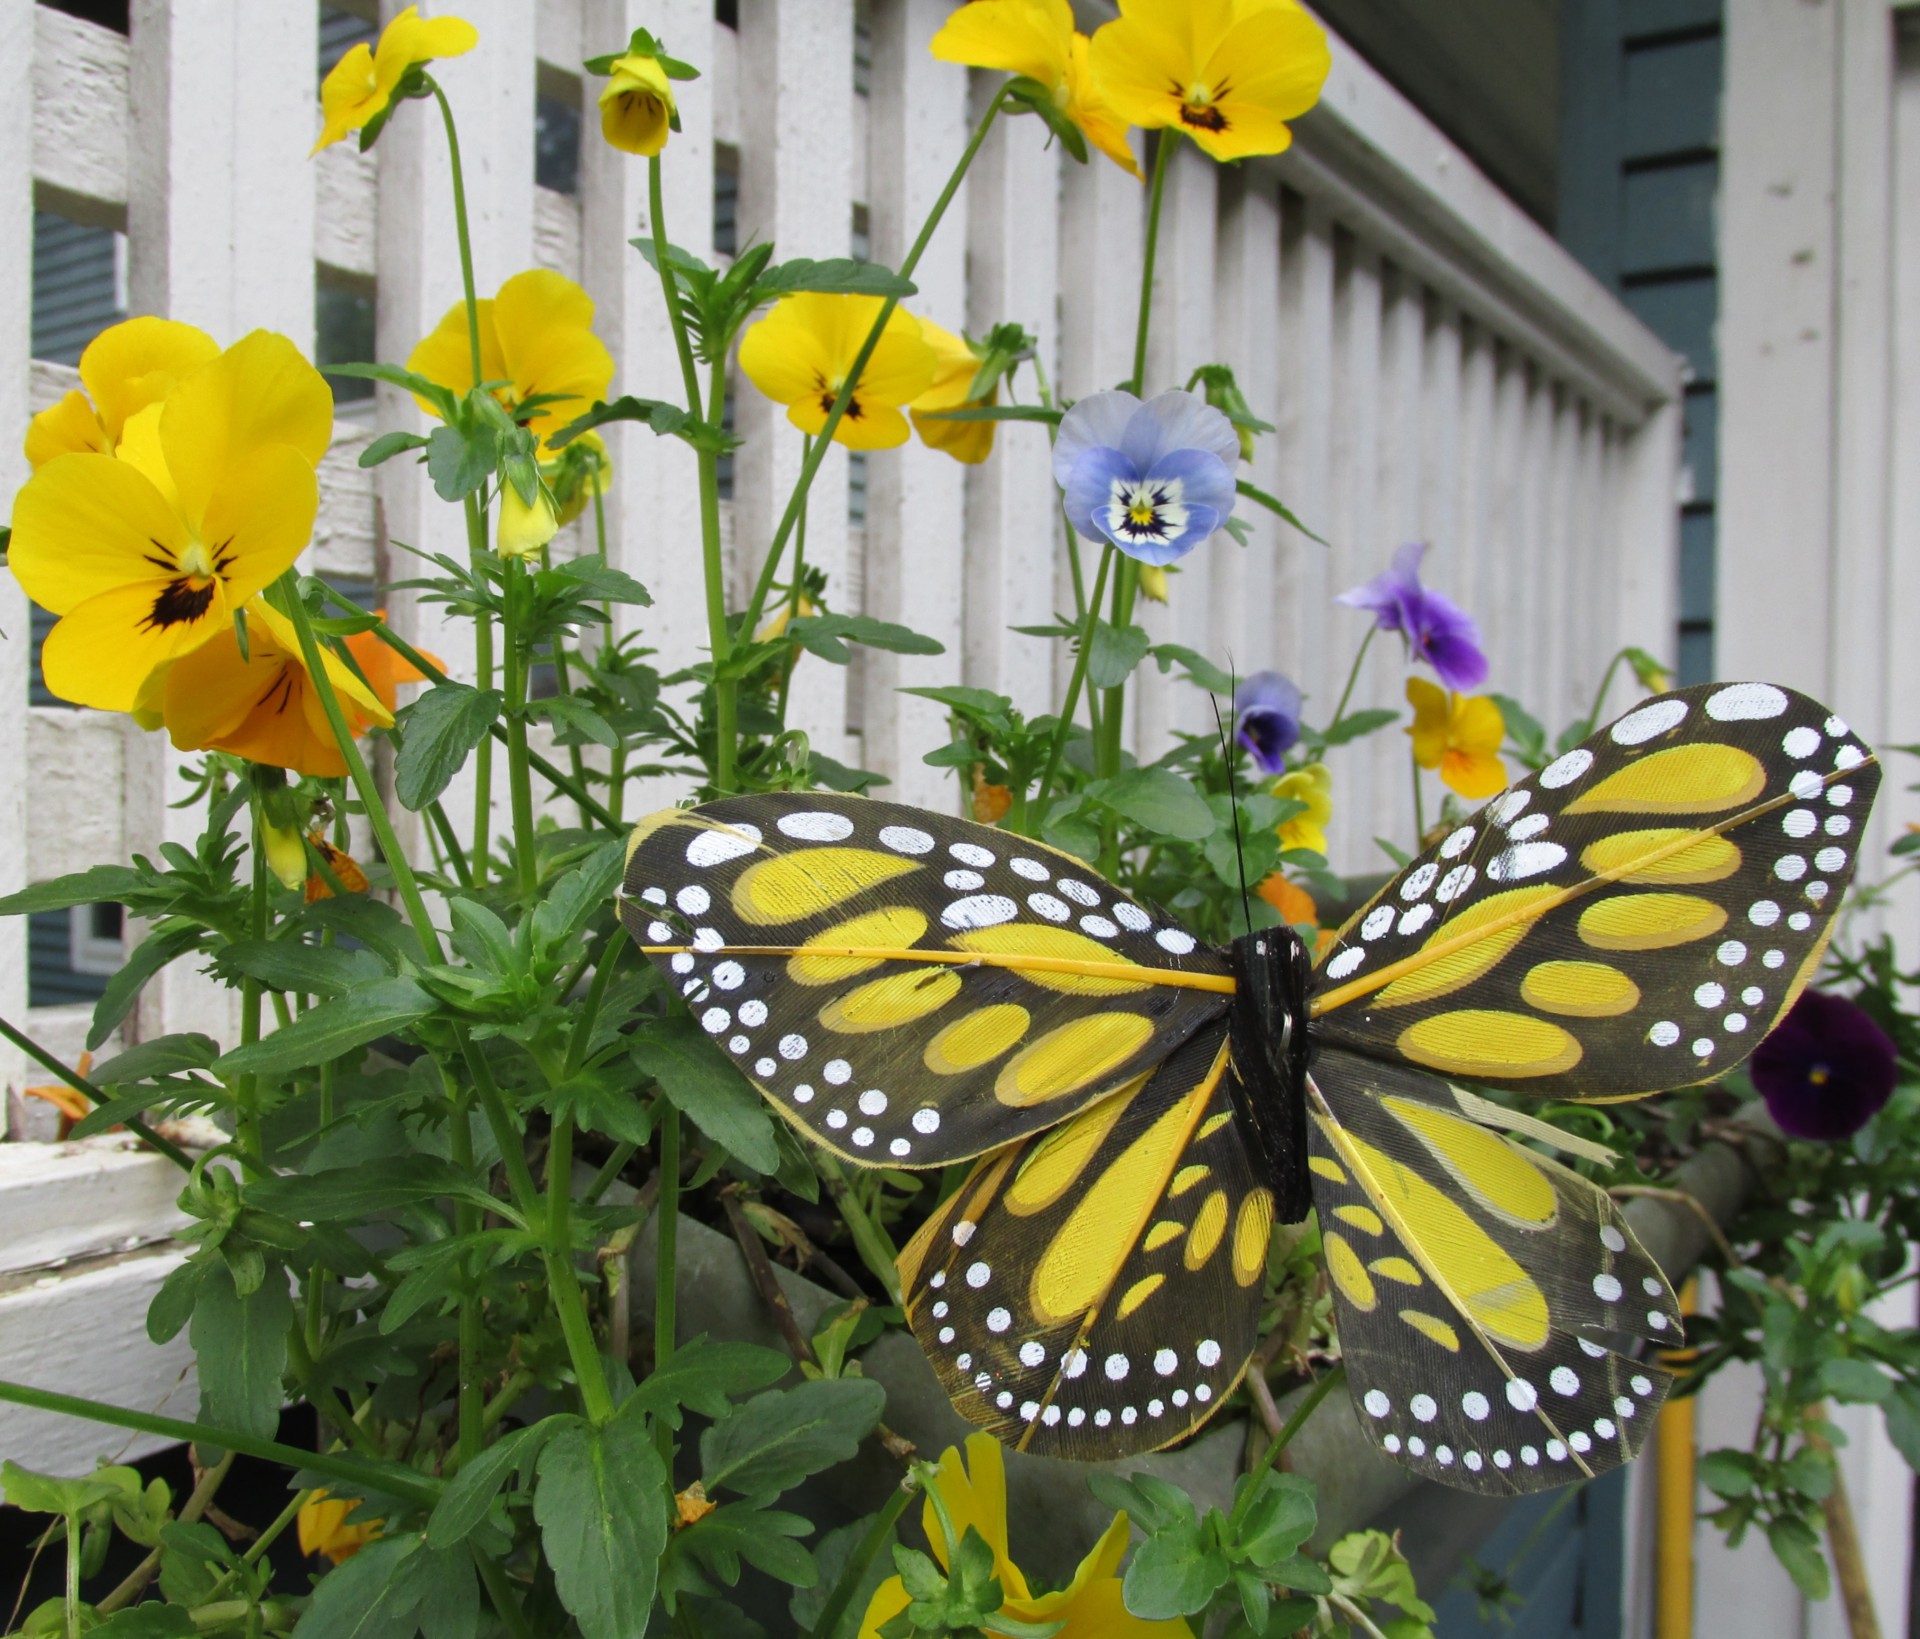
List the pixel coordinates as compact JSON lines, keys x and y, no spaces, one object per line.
{"x":1636,"y":916}
{"x":907,"y":988}
{"x":1488,"y":1300}
{"x":1095,"y":1292}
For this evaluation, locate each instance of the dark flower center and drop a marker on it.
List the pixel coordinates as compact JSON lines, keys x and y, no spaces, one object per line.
{"x":179,"y":603}
{"x":1200,"y":107}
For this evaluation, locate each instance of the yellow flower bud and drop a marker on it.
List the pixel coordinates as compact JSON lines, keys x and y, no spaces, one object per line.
{"x":636,"y":109}
{"x":524,"y":529}
{"x":286,"y":853}
{"x":1153,"y":582}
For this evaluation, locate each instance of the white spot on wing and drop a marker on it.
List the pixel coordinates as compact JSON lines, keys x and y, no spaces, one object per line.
{"x":984,"y":910}
{"x":1638,"y":727}
{"x":1565,"y":770}
{"x":905,"y":839}
{"x":717,"y":847}
{"x":1343,"y":964}
{"x":1528,"y":859}
{"x":815,"y":826}
{"x":1744,"y":702}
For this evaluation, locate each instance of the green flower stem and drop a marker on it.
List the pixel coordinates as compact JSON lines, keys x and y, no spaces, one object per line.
{"x":472,"y":1323}
{"x":876,"y":1251}
{"x":418,"y":1489}
{"x":1307,"y":1407}
{"x":460,"y":227}
{"x":606,"y":962}
{"x":1106,"y":760}
{"x":357,"y":771}
{"x":793,"y":589}
{"x":500,"y":1591}
{"x":72,"y":1599}
{"x":585,"y":1352}
{"x":563,"y":675}
{"x":79,"y":1083}
{"x":204,"y":1491}
{"x":1065,"y":725}
{"x":260,"y":1544}
{"x":1353,"y":676}
{"x":666,"y":1252}
{"x":1419,"y":806}
{"x":246,"y":1088}
{"x":324,"y":1400}
{"x":823,"y":440}
{"x":450,"y":841}
{"x":1167,"y":140}
{"x":856,"y":1567}
{"x":1606,"y":682}
{"x":519,"y":774}
{"x":610,"y":1169}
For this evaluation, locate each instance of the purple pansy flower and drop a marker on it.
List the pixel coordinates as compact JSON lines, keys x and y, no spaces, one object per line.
{"x":1826,"y":1069}
{"x":1437,"y":629}
{"x":1266,"y":719}
{"x":1155,"y":479}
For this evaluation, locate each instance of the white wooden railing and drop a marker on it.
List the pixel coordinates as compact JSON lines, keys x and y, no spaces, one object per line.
{"x":1438,"y":368}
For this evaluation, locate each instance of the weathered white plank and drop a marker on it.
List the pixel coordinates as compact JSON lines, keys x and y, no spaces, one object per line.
{"x":104,"y":1303}
{"x":796,"y":177}
{"x":915,"y":540}
{"x":1442,"y":438}
{"x":78,"y":99}
{"x":556,"y":230}
{"x":346,"y":212}
{"x":76,"y":756}
{"x":1013,"y":266}
{"x":16,"y":305}
{"x":346,"y":533}
{"x":64,"y":1201}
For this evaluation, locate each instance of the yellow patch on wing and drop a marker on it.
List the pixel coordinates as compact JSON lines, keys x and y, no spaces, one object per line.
{"x":890,"y":928}
{"x":1490,"y":1042}
{"x":1058,"y":944}
{"x":1579,"y":990}
{"x":1649,"y":921}
{"x":1139,"y":1292}
{"x":1625,"y":857}
{"x":1464,"y":958}
{"x":1071,"y":1057}
{"x":810,"y":881}
{"x":1467,"y":1263}
{"x":1062,"y":1155}
{"x":1361,"y":1217}
{"x":1209,"y":1224}
{"x":1435,"y":1331}
{"x":1187,"y":1178}
{"x":1252,"y":1231}
{"x":886,"y":1004}
{"x":1399,"y":1269}
{"x":1499,"y":1175}
{"x":1348,"y":1272}
{"x":1703,"y":778}
{"x":977,"y":1038}
{"x":1163,"y":1233}
{"x":1324,"y":1166}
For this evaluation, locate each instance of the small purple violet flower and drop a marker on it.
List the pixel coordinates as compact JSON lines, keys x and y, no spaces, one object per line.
{"x":1266,"y":719}
{"x":1437,"y":629}
{"x":1826,"y":1069}
{"x":1155,"y":479}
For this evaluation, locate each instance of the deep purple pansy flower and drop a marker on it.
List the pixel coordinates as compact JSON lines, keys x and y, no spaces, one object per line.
{"x":1437,"y":629}
{"x":1266,"y":719}
{"x":1155,"y":479}
{"x":1826,"y":1069}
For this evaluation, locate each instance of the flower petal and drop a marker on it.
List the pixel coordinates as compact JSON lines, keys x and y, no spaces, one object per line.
{"x":129,"y":366}
{"x":261,"y":518}
{"x":88,"y":524}
{"x":350,"y":95}
{"x":545,"y":325}
{"x":1030,"y":37}
{"x":976,"y":1495}
{"x":1087,"y":107}
{"x":1089,"y":487}
{"x":1205,"y":480}
{"x":902,"y":365}
{"x":786,"y":358}
{"x":103,"y":652}
{"x":1176,"y":420}
{"x":445,"y":353}
{"x":66,"y":427}
{"x":1473,"y":774}
{"x":1098,"y":419}
{"x":259,"y":393}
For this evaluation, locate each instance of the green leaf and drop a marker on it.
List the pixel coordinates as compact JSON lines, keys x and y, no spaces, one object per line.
{"x":153,"y":1620}
{"x":777,"y":1439}
{"x":763,"y":1537}
{"x":166,"y":944}
{"x":1857,"y":1382}
{"x":1202,"y":670}
{"x":1902,"y":1410}
{"x":374,"y":1595}
{"x":1113,"y":654}
{"x":576,"y":720}
{"x":570,"y":903}
{"x":240,"y":1347}
{"x":482,"y":938}
{"x":388,"y":445}
{"x":703,"y":1082}
{"x":601,"y":1505}
{"x":162,"y":1056}
{"x":449,"y":1594}
{"x":1356,"y":723}
{"x":102,"y":885}
{"x":49,"y":1494}
{"x":838,"y":276}
{"x":705,"y":1377}
{"x":1032,"y":97}
{"x":1278,"y":508}
{"x":832,"y":1555}
{"x":470,"y":1493}
{"x":594,"y":578}
{"x":1176,"y":1570}
{"x":662,"y":417}
{"x":1727,"y":1473}
{"x":172,"y":1305}
{"x":822,"y":635}
{"x":332,"y":1028}
{"x":1797,"y":1548}
{"x":1158,"y":800}
{"x":460,"y":459}
{"x":438,"y":731}
{"x":286,"y":964}
{"x":383,"y":1184}
{"x":443,"y":398}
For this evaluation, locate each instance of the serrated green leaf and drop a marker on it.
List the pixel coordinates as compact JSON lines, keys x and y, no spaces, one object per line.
{"x":167,"y":944}
{"x":704,"y":1083}
{"x":601,"y":1506}
{"x":705,"y":1377}
{"x":837,"y":276}
{"x":1113,"y":653}
{"x":373,"y":1595}
{"x":470,"y":1493}
{"x":333,"y":1027}
{"x":101,"y":885}
{"x":240,"y":1348}
{"x":439,"y":730}
{"x":1157,"y":800}
{"x":777,"y":1439}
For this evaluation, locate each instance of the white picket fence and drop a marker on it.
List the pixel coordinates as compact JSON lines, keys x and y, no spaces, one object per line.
{"x":1438,"y":369}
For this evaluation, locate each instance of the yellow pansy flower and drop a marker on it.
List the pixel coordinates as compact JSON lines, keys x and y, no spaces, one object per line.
{"x":536,"y":336}
{"x":359,"y":88}
{"x":955,"y":366}
{"x":1036,"y":39}
{"x":263,"y":705}
{"x":324,"y":1529}
{"x":1459,"y":734}
{"x":146,"y":554}
{"x":800,"y":354}
{"x":636,"y":109}
{"x":1229,"y":73}
{"x":124,"y":369}
{"x":975,"y":1494}
{"x":1312,"y":785}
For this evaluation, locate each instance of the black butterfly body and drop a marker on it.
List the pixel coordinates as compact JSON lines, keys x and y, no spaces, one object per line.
{"x":913,"y":990}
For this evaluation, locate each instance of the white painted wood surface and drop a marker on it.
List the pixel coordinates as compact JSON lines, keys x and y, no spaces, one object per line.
{"x":1438,"y":368}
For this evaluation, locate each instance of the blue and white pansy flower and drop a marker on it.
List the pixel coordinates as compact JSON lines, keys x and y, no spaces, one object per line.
{"x":1154,"y":479}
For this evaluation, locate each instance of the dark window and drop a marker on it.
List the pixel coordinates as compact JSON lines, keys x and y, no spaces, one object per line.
{"x":862,"y":46}
{"x":107,"y":13}
{"x":723,"y":463}
{"x":71,"y":954}
{"x":727,"y":13}
{"x":79,"y":285}
{"x":340,"y":32}
{"x":726,"y":199}
{"x":343,"y":317}
{"x":857,"y":487}
{"x":556,"y":144}
{"x":860,"y":239}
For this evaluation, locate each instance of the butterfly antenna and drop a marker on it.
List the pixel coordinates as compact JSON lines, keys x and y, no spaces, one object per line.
{"x":1233,"y":808}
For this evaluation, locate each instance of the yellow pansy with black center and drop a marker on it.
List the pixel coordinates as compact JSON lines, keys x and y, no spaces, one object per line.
{"x":912,"y":990}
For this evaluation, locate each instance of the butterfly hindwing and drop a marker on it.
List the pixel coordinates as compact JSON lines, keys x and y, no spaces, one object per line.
{"x":1635,"y":916}
{"x":1095,"y":1292}
{"x":1484,"y":1295}
{"x":881,"y":1058}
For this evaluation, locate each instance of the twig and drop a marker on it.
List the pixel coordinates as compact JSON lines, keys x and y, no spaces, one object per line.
{"x":1681,"y":1198}
{"x":197,"y":1504}
{"x":765,"y":1282}
{"x":1263,"y":1402}
{"x":1843,"y":1539}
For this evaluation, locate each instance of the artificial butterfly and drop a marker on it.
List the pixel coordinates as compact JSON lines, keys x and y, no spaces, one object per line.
{"x":913,"y":990}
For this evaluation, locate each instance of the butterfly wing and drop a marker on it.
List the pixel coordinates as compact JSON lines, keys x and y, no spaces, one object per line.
{"x":1095,"y":1292}
{"x":1487,"y":1299}
{"x":906,"y":988}
{"x":1635,"y":916}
